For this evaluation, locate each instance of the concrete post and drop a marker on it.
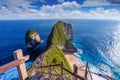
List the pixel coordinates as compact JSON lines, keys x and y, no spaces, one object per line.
{"x":21,"y":68}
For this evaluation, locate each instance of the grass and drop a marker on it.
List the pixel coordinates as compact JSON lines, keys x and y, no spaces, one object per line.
{"x":30,"y":70}
{"x":31,"y":32}
{"x":58,"y":34}
{"x":55,"y":56}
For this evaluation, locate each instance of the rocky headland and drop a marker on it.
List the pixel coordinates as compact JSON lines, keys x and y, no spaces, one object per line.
{"x":58,"y":42}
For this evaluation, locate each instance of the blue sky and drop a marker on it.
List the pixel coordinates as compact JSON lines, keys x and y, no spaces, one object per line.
{"x":60,"y":9}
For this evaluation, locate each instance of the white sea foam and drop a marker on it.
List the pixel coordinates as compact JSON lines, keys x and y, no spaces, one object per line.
{"x":102,"y":70}
{"x":77,"y":54}
{"x":97,"y":71}
{"x":94,"y":76}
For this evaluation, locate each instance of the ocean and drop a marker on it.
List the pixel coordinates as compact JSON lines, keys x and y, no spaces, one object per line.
{"x":97,"y":40}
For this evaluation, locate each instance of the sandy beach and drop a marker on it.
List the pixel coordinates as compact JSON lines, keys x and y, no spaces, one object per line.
{"x":74,"y":60}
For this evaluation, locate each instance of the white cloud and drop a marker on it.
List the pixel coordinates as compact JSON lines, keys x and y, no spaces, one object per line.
{"x":98,"y":13}
{"x":60,"y":7}
{"x":101,"y":13}
{"x":71,"y":5}
{"x":66,"y":10}
{"x":95,"y":3}
{"x":16,"y":3}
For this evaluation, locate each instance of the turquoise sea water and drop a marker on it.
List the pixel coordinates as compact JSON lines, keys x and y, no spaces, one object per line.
{"x":98,"y":40}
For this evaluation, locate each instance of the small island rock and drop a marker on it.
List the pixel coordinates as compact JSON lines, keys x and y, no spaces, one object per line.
{"x":32,"y":39}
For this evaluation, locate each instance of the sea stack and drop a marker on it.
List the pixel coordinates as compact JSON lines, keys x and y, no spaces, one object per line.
{"x":62,"y":35}
{"x":32,"y":39}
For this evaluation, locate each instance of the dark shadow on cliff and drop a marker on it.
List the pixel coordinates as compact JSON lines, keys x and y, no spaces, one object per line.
{"x":35,"y":52}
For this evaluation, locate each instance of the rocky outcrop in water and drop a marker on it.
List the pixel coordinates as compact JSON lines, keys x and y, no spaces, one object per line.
{"x":62,"y":35}
{"x":32,"y":39}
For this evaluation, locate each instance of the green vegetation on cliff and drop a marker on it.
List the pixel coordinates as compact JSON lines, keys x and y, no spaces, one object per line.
{"x":58,"y":41}
{"x":31,"y":32}
{"x":32,"y":39}
{"x":30,"y":70}
{"x":54,"y":55}
{"x":57,"y":35}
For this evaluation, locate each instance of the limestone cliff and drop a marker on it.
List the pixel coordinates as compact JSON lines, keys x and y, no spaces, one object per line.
{"x":32,"y":39}
{"x":62,"y":35}
{"x":68,"y":31}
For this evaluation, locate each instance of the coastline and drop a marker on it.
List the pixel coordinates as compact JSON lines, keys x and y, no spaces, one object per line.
{"x":72,"y":59}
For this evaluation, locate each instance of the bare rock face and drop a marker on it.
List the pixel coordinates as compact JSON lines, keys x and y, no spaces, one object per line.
{"x":32,"y":39}
{"x":68,"y":31}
